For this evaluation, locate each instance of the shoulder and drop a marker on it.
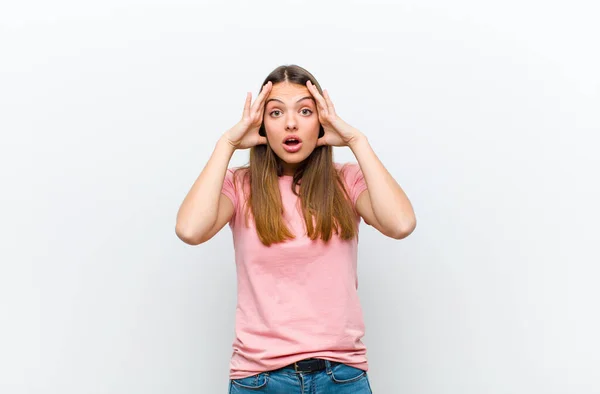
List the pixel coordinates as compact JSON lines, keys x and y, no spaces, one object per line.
{"x":344,"y":166}
{"x":236,"y":183}
{"x":348,"y":171}
{"x":236,"y":173}
{"x":233,"y":170}
{"x":341,"y":166}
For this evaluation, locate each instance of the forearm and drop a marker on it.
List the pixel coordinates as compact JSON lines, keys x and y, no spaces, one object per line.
{"x":199,"y":209}
{"x":390,"y":205}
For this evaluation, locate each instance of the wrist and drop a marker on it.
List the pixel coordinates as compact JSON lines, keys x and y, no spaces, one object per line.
{"x":357,"y":140}
{"x":226,"y":144}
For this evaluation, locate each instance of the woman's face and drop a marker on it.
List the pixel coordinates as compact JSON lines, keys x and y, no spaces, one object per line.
{"x":290,"y":112}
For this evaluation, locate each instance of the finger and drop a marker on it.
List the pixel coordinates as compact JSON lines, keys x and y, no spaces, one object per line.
{"x":247,"y":105}
{"x":264,"y":92}
{"x":258,"y":105}
{"x":261,"y":109}
{"x":330,"y":106}
{"x":315,"y":92}
{"x":261,"y":140}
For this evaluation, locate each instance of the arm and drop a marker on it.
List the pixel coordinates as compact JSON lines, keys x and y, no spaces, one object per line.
{"x":205,"y":210}
{"x":199,"y":211}
{"x":384,"y":205}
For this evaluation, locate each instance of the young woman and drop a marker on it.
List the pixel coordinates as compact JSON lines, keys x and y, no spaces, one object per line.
{"x":294,"y":215}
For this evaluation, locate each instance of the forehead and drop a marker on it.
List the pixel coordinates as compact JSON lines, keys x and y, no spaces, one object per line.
{"x":286,"y":91}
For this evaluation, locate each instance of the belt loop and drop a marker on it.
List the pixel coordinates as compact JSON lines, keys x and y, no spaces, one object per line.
{"x":327,"y":366}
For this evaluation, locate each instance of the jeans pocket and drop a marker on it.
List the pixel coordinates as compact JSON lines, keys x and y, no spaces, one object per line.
{"x":344,"y":373}
{"x":254,"y":382}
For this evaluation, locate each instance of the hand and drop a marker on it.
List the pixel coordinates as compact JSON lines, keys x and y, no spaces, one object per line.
{"x":244,"y":134}
{"x":337,"y":132}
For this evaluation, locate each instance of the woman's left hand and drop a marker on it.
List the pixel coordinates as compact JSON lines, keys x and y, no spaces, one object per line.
{"x":337,"y":132}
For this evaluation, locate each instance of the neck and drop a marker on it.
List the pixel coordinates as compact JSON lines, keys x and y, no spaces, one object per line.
{"x":289,"y":169}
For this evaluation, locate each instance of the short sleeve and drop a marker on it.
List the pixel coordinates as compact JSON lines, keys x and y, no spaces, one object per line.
{"x":355,"y":181}
{"x":228,"y":188}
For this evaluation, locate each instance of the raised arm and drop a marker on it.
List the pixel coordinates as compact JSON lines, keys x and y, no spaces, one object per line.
{"x":205,"y":210}
{"x":200,"y":208}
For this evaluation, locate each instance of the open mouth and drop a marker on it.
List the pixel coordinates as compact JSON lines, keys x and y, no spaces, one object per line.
{"x":292,"y":143}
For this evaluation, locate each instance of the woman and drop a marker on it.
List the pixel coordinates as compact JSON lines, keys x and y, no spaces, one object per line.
{"x":294,"y":215}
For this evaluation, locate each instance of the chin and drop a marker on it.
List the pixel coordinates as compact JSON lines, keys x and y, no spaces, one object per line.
{"x":293,"y":158}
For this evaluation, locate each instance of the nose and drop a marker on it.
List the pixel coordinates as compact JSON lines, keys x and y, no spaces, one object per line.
{"x":290,"y":123}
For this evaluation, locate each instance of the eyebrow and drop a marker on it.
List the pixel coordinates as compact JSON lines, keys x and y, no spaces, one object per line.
{"x":303,"y":98}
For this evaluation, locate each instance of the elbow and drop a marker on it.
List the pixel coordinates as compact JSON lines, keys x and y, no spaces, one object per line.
{"x":405,"y":230}
{"x":187,"y":237}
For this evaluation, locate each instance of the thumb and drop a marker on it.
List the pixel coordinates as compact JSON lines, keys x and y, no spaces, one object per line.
{"x":261,"y":140}
{"x":321,"y":141}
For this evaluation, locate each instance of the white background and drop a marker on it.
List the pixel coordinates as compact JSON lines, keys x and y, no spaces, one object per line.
{"x":486,"y":113}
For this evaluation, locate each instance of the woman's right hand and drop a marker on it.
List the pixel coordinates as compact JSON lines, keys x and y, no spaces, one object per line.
{"x":244,"y":134}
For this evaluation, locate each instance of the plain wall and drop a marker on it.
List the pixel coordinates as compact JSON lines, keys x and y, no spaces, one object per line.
{"x":487,"y":114}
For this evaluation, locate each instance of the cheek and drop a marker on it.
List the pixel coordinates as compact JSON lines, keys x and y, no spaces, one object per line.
{"x":273,"y":130}
{"x":313,"y":125}
{"x":268,"y":124}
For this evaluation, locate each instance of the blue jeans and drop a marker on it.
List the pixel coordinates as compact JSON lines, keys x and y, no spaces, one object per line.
{"x":339,"y":379}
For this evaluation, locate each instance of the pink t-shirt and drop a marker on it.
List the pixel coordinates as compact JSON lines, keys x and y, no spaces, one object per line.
{"x":296,"y":299}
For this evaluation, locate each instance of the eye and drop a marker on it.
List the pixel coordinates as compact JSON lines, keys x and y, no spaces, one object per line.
{"x":309,"y":111}
{"x":272,"y":112}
